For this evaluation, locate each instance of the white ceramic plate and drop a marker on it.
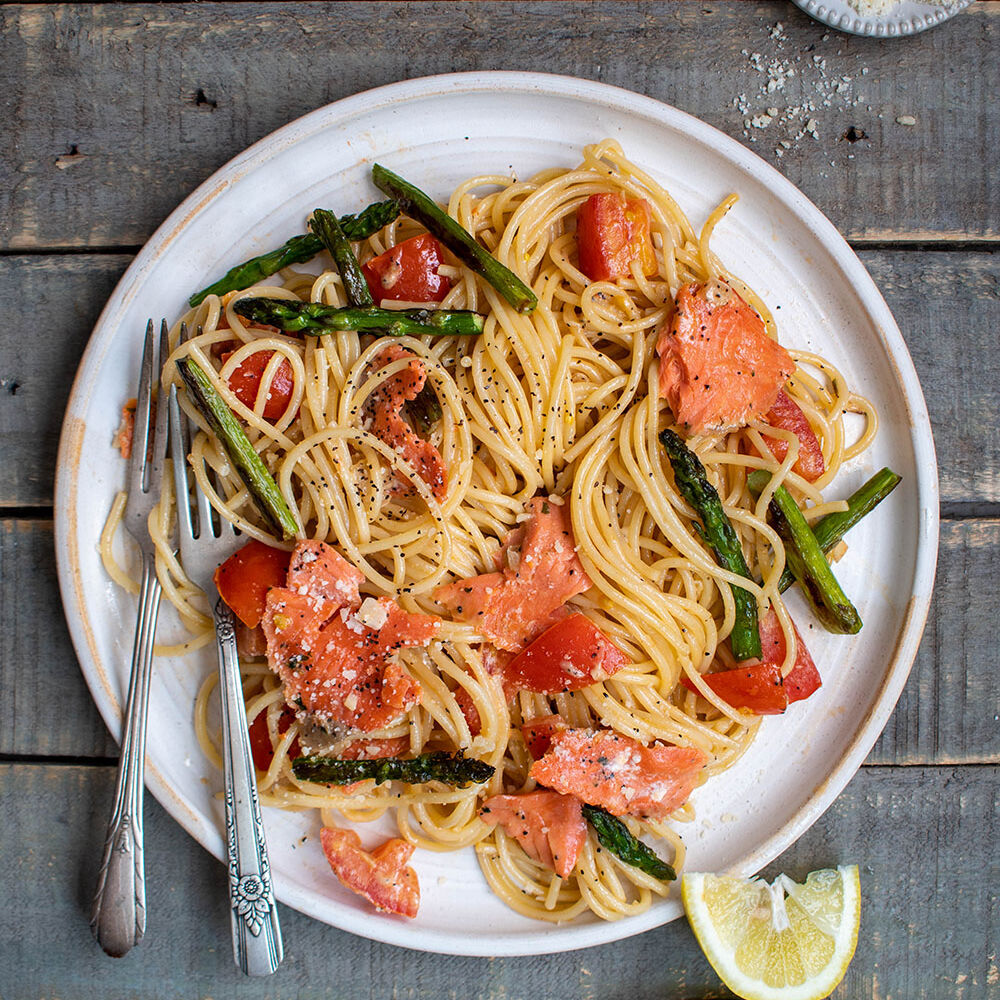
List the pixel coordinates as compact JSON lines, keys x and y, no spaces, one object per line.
{"x":905,"y":17}
{"x":437,"y":131}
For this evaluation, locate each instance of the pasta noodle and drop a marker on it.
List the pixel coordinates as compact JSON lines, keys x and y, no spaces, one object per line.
{"x":562,"y":403}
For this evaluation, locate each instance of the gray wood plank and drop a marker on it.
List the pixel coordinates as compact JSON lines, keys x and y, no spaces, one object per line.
{"x":122,"y":109}
{"x":49,"y":306}
{"x":947,"y":713}
{"x":928,"y":918}
{"x":947,"y":305}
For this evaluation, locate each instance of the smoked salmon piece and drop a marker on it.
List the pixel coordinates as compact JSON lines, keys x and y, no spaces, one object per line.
{"x":538,"y":732}
{"x":334,"y":652}
{"x":549,"y":826}
{"x":603,"y":768}
{"x":318,"y":571}
{"x":718,"y":367}
{"x":541,"y":573}
{"x":382,"y":876}
{"x":388,"y":425}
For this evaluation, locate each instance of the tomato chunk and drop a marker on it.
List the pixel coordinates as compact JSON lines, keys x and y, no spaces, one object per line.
{"x":246,"y":378}
{"x":611,"y":233}
{"x":538,"y":733}
{"x":247,"y":575}
{"x":570,"y":655}
{"x":803,"y":679}
{"x":758,"y":687}
{"x":260,"y":738}
{"x":382,"y":876}
{"x":787,"y":415}
{"x":408,"y":272}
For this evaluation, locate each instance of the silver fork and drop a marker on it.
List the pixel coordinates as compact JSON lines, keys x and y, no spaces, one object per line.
{"x":118,"y":916}
{"x":257,"y":947}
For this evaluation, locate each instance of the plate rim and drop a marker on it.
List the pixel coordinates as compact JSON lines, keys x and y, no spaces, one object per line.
{"x":867,"y":730}
{"x":886,"y":26}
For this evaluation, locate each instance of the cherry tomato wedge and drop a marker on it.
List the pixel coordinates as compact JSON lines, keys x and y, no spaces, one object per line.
{"x":260,"y":738}
{"x":408,"y":272}
{"x":803,"y":679}
{"x":570,"y":655}
{"x":758,"y":686}
{"x":758,"y":689}
{"x":538,"y":733}
{"x":247,"y":575}
{"x":245,"y":383}
{"x":787,"y":415}
{"x":612,"y":232}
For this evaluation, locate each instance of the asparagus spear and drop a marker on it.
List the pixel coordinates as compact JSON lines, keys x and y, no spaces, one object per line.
{"x":425,"y":410}
{"x":325,"y":225}
{"x":425,"y":210}
{"x":452,"y":769}
{"x":298,"y":250}
{"x":316,"y":318}
{"x":806,"y":560}
{"x":614,"y":836}
{"x":829,"y":530}
{"x":689,"y":474}
{"x":245,"y":459}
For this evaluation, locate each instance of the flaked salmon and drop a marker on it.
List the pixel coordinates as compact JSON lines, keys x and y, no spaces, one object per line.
{"x":549,"y":826}
{"x":382,"y":876}
{"x":386,"y":404}
{"x":334,"y":652}
{"x":541,"y":572}
{"x":604,"y":768}
{"x":718,"y":367}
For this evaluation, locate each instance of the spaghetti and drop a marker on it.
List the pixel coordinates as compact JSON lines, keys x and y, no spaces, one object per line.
{"x":561,"y":403}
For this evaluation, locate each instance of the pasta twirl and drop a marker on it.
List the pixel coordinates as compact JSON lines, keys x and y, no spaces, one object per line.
{"x":560,"y":403}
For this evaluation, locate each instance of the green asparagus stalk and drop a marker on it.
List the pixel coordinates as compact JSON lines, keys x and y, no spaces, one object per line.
{"x":425,"y":410}
{"x":829,"y":530}
{"x":298,"y":250}
{"x":246,"y":461}
{"x":806,"y":560}
{"x":689,"y":474}
{"x":425,"y":210}
{"x":325,"y":225}
{"x":452,"y":769}
{"x":614,"y":836}
{"x":316,"y":318}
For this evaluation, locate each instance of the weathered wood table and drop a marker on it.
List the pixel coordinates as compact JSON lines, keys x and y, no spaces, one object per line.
{"x":112,"y":113}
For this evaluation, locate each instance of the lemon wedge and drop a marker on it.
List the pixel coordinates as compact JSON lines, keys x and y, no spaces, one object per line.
{"x":782,"y":941}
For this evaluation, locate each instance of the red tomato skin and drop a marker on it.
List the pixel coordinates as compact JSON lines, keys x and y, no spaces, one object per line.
{"x":245,"y":383}
{"x":759,"y":688}
{"x":260,"y":738}
{"x":408,"y":272}
{"x":611,"y":232}
{"x":538,"y":733}
{"x":803,"y":679}
{"x":247,"y":575}
{"x":787,"y":415}
{"x":570,"y":655}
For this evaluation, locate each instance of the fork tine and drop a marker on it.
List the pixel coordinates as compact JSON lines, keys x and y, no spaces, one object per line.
{"x":206,"y":529}
{"x":178,"y":453}
{"x":140,"y":441}
{"x":159,"y":452}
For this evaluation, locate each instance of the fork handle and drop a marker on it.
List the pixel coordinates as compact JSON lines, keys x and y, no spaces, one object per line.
{"x":257,"y":947}
{"x":118,"y":915}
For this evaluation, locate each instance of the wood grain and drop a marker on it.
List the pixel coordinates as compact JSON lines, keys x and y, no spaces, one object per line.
{"x":947,"y":305}
{"x":937,"y":879}
{"x":122,"y":109}
{"x":946,"y":715}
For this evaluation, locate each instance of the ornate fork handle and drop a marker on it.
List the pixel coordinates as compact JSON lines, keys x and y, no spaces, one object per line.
{"x":118,"y":916}
{"x":257,"y":946}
